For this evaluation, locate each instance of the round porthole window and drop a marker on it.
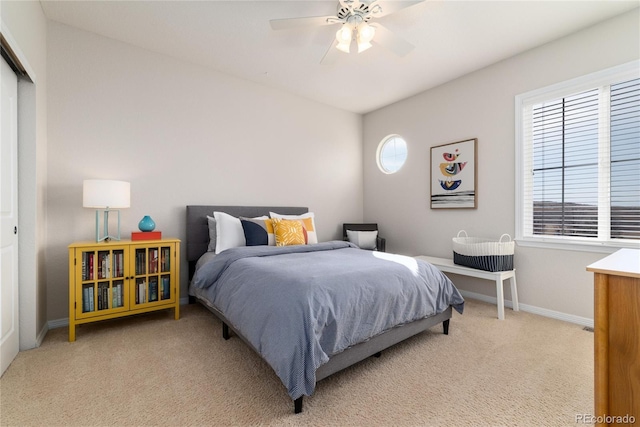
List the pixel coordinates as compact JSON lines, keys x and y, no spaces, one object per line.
{"x":392,"y":154}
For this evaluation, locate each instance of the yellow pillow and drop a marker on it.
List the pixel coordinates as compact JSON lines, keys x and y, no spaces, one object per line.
{"x":288,"y":232}
{"x":308,"y":223}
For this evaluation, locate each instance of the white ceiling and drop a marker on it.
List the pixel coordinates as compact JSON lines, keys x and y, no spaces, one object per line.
{"x":452,"y":38}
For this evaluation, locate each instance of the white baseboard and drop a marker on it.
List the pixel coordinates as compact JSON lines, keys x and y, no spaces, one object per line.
{"x":62,"y":323}
{"x":59,"y":323}
{"x":42,"y":334}
{"x":583,"y":321}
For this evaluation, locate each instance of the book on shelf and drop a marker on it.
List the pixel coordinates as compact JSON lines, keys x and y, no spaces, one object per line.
{"x":153,"y":260}
{"x":118,"y":263}
{"x":87,"y":299}
{"x":166,"y":290}
{"x":165,"y":259}
{"x":141,"y":261}
{"x":141,"y":292}
{"x":116,"y":295}
{"x":87,"y":266}
{"x":103,"y":296}
{"x":153,"y":289}
{"x":104,"y":265}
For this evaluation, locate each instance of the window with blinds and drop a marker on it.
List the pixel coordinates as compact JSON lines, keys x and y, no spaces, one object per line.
{"x":579,"y":161}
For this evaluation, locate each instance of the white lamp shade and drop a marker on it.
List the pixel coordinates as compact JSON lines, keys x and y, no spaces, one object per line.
{"x":103,"y":193}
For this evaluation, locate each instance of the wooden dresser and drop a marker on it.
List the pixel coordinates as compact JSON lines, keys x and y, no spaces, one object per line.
{"x":617,"y":336}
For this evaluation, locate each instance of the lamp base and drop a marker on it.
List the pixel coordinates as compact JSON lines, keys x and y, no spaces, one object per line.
{"x":105,"y":225}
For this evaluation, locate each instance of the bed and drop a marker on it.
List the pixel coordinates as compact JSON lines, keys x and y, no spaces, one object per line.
{"x":312,"y":310}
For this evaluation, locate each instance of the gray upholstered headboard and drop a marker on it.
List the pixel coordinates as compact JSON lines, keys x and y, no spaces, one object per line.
{"x":198,"y":229}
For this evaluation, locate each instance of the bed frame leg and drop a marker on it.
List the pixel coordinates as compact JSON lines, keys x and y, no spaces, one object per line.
{"x":297,"y":405}
{"x":225,"y":331}
{"x":445,"y":326}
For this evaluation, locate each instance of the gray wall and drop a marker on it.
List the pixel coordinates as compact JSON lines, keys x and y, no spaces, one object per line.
{"x":481,"y":105}
{"x":182,"y":134}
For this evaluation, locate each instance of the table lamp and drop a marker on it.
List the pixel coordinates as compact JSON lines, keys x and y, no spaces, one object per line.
{"x":108,"y":196}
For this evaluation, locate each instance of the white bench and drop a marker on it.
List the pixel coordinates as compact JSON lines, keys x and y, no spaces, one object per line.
{"x":447,"y":266}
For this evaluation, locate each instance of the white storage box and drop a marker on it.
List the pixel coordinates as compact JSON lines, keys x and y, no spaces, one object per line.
{"x":483,"y":254}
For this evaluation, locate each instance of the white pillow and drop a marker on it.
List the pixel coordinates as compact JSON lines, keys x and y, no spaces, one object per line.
{"x":229,"y":232}
{"x":363,"y":239}
{"x":308,"y":223}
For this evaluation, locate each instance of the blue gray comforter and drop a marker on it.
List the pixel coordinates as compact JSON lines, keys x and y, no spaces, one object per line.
{"x":298,"y":305}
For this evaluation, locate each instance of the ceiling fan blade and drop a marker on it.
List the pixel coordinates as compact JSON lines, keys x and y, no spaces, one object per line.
{"x":389,"y":7}
{"x":331,"y":55}
{"x":388,"y":39}
{"x":311,"y":21}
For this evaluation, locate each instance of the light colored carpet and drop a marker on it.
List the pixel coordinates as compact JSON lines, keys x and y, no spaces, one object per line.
{"x":152,"y":370}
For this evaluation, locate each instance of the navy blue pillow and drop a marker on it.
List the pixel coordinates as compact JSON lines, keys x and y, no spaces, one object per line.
{"x":254,"y":234}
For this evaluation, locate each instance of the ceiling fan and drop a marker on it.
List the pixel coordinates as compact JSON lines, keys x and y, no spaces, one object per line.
{"x":357,"y":26}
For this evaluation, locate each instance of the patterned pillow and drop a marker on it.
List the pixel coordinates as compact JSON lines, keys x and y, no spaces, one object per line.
{"x":289,"y":232}
{"x":258,"y":231}
{"x":307,"y":221}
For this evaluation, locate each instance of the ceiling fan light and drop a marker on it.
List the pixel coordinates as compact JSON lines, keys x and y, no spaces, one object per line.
{"x":363,"y":46}
{"x":366,"y":33}
{"x":344,"y":47}
{"x":344,"y":34}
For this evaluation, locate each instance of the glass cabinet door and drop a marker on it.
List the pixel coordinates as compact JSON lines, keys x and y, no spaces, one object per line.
{"x":103,"y":282}
{"x":153,"y":278}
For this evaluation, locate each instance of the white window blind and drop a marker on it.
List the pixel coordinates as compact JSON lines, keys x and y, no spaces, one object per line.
{"x":578,"y":161}
{"x":565,"y":166}
{"x":625,"y":160}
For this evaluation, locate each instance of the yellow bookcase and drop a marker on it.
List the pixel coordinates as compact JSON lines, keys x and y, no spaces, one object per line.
{"x":120,"y":278}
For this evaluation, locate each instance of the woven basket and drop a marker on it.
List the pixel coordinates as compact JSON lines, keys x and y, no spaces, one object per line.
{"x":483,"y":254}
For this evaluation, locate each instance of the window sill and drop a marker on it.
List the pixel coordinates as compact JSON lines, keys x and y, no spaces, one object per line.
{"x":574,"y":245}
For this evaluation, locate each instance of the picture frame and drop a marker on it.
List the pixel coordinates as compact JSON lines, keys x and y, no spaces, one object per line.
{"x":454,"y":175}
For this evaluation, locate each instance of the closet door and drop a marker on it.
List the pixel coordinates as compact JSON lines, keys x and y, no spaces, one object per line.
{"x":9,"y":338}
